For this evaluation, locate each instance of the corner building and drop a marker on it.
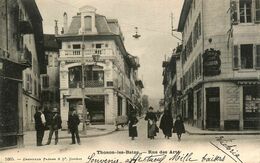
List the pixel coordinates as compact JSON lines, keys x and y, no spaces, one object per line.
{"x":110,"y":85}
{"x":220,"y":63}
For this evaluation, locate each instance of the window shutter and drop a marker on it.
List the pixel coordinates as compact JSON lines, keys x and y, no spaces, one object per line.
{"x":257,"y":11}
{"x":258,"y":56}
{"x":234,"y":12}
{"x":235,"y":57}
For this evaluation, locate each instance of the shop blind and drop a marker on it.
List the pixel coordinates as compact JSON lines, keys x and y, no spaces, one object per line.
{"x":235,"y":57}
{"x":258,"y":56}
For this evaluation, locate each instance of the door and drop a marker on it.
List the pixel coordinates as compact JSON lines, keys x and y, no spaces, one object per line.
{"x":212,"y":108}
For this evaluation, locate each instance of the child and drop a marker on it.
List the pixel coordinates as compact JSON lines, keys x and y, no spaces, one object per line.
{"x":179,"y":127}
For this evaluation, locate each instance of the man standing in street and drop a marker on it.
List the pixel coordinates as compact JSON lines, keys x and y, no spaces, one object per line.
{"x":55,"y":125}
{"x":39,"y":119}
{"x":73,"y":126}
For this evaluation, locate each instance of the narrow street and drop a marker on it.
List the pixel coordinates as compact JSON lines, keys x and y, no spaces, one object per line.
{"x":103,"y":147}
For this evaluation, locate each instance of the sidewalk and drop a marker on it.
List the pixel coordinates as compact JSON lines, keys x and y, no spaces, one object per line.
{"x":191,"y":130}
{"x":92,"y":131}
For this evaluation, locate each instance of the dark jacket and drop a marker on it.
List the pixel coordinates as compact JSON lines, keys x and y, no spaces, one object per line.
{"x":166,"y":124}
{"x":179,"y":126}
{"x":73,"y":122}
{"x":151,"y":116}
{"x":55,"y":122}
{"x":38,"y":121}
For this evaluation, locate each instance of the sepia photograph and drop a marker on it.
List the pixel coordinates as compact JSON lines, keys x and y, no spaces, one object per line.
{"x":129,"y":81}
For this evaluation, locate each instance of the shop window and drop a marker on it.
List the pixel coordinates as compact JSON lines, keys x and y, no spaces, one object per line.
{"x":245,"y":11}
{"x":246,"y":56}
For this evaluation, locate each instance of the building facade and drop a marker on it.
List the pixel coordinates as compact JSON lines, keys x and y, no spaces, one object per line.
{"x":220,"y":63}
{"x":17,"y":25}
{"x":93,"y":53}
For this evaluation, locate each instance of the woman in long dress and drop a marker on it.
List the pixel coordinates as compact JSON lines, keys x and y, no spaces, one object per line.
{"x":132,"y":121}
{"x":179,"y":127}
{"x":152,"y":119}
{"x":167,"y":124}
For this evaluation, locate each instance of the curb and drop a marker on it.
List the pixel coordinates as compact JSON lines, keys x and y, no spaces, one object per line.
{"x":89,"y":136}
{"x":225,"y":133}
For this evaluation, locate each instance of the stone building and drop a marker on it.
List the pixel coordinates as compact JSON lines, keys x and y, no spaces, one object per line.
{"x":20,"y":46}
{"x":96,"y":68}
{"x":220,"y":63}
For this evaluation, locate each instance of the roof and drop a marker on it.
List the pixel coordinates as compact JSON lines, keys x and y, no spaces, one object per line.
{"x":104,"y":26}
{"x":32,"y":9}
{"x":51,"y":43}
{"x":184,"y":14}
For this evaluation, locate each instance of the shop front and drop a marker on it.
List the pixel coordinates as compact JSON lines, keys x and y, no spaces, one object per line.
{"x":251,"y":106}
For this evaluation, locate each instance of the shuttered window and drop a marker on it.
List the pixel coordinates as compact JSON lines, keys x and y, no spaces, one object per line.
{"x":235,"y":57}
{"x":257,"y":11}
{"x":258,"y":56}
{"x":233,"y":12}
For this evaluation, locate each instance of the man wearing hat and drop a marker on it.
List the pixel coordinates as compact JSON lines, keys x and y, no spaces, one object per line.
{"x":55,"y":125}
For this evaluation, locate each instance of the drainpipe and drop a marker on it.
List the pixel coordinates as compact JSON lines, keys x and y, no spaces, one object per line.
{"x":6,"y":21}
{"x":202,"y":71}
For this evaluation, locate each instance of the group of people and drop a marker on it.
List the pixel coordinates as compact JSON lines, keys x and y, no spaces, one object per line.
{"x":54,"y":124}
{"x":166,"y":124}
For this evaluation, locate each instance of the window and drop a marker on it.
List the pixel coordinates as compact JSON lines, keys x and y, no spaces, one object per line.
{"x":257,"y":11}
{"x":45,"y":81}
{"x":76,"y":46}
{"x":246,"y":56}
{"x":28,"y":86}
{"x":87,"y":23}
{"x":245,"y":11}
{"x":257,"y":56}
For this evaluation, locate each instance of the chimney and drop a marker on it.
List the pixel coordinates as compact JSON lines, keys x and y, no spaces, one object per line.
{"x":65,"y":22}
{"x":56,"y":28}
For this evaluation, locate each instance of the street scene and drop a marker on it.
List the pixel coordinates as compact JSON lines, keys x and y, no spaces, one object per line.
{"x":130,"y":81}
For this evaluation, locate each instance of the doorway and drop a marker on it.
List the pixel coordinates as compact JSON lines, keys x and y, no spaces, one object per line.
{"x":212,"y":108}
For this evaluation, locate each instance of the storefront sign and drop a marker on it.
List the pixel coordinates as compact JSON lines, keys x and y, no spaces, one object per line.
{"x":211,"y":62}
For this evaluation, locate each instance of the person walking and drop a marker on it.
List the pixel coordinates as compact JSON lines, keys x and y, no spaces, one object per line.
{"x":40,"y":122}
{"x":55,"y":125}
{"x":179,"y":127}
{"x":166,"y":124}
{"x":132,"y":121}
{"x":151,"y":126}
{"x":73,"y":123}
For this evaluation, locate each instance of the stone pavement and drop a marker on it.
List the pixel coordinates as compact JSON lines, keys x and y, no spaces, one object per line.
{"x":92,"y":131}
{"x":191,"y":130}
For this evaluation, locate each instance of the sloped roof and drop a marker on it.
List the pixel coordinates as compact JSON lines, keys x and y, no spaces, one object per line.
{"x":51,"y":43}
{"x":184,"y":14}
{"x":104,"y":26}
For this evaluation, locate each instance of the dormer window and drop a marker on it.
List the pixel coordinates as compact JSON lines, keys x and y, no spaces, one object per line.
{"x":88,"y":23}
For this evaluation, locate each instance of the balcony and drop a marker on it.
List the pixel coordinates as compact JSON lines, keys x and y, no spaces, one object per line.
{"x":77,"y":53}
{"x":25,"y":57}
{"x":89,"y":83}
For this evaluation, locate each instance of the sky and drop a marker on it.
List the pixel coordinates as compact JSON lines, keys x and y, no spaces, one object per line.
{"x":153,"y":19}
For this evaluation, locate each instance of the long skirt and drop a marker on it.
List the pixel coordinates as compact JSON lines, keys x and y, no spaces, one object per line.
{"x":132,"y":131}
{"x":151,"y":130}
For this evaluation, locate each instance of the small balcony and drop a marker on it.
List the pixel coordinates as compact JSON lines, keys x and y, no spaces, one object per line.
{"x":25,"y":57}
{"x":89,"y":83}
{"x":77,"y":53}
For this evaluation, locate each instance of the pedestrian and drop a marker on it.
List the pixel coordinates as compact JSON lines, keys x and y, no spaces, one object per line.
{"x":179,"y":127}
{"x":55,"y":125}
{"x":151,"y":126}
{"x":40,"y":122}
{"x":73,"y":123}
{"x":166,"y":124}
{"x":132,"y":122}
